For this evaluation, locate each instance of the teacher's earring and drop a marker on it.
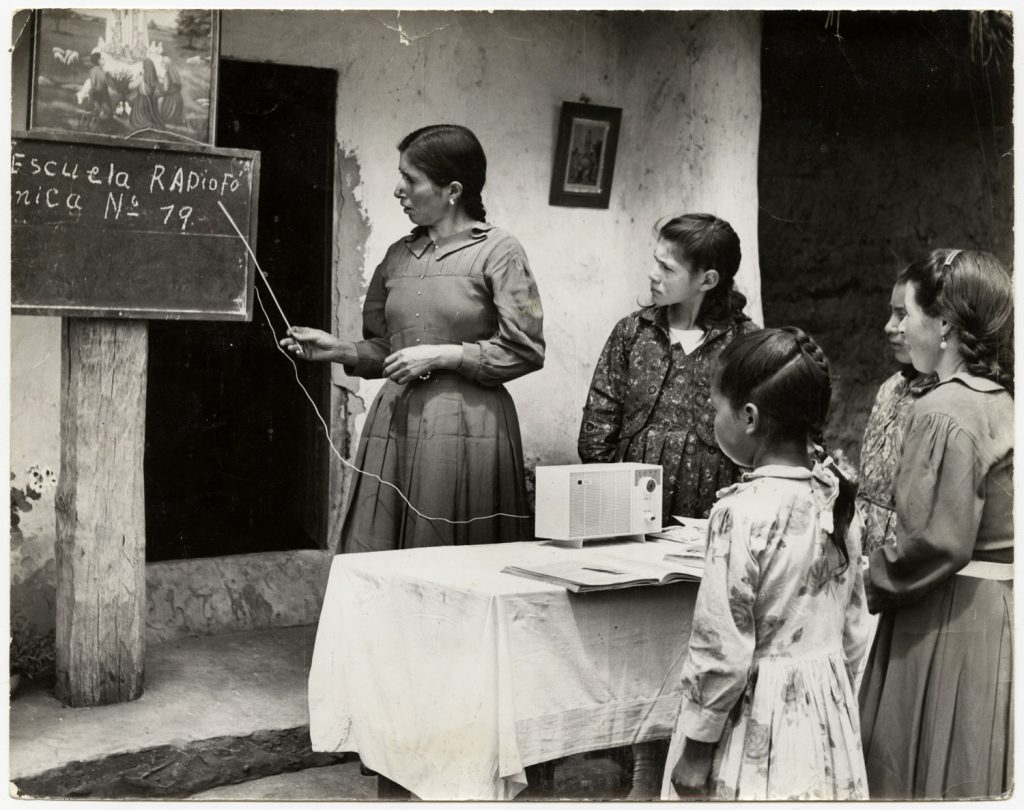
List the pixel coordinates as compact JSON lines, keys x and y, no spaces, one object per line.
{"x":942,"y":343}
{"x":451,"y":201}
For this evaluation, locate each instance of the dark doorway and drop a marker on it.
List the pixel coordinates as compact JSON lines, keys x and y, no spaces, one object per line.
{"x":236,"y":459}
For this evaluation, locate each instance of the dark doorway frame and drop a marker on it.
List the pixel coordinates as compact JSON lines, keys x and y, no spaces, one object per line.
{"x":236,"y":459}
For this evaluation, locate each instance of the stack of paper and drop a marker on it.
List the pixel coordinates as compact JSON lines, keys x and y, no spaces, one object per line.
{"x":691,"y":535}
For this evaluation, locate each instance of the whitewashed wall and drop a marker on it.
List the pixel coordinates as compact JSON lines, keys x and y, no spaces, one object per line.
{"x":689,"y":88}
{"x":688,"y":84}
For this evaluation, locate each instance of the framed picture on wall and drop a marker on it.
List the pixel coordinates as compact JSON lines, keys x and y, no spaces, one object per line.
{"x":588,"y":136}
{"x":140,"y":73}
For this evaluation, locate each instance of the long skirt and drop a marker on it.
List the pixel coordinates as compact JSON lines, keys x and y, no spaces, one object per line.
{"x":793,"y":735}
{"x":145,"y":112}
{"x":454,"y":450}
{"x":172,"y":107}
{"x":936,"y":699}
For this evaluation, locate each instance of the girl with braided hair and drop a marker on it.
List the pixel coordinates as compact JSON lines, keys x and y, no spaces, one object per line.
{"x":936,"y":708}
{"x":769,"y":709}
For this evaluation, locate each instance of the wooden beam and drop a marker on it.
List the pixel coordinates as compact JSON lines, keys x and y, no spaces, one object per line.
{"x":100,"y":547}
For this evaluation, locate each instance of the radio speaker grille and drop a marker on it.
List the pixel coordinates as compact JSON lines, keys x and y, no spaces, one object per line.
{"x":599,"y":503}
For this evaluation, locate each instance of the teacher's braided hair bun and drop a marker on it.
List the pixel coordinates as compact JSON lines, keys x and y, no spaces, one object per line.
{"x":449,"y":153}
{"x":974,"y":292}
{"x":785,"y":373}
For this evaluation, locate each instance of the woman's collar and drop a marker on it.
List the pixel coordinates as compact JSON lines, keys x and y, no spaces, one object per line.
{"x":778,"y":471}
{"x":819,"y":471}
{"x":418,"y":241}
{"x":982,"y":384}
{"x":659,"y":317}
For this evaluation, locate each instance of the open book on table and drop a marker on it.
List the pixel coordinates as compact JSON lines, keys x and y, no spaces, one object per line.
{"x":601,"y":571}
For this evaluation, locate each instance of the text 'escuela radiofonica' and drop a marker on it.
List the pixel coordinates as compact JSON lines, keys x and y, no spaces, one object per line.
{"x":129,"y":195}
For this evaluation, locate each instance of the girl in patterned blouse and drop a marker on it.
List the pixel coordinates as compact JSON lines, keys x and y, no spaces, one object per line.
{"x":768,"y":708}
{"x":648,"y":401}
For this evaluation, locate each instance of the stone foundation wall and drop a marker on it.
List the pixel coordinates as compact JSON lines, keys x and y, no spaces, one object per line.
{"x":215,"y":595}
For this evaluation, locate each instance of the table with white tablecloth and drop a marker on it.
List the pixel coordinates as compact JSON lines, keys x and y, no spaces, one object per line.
{"x":450,"y":678}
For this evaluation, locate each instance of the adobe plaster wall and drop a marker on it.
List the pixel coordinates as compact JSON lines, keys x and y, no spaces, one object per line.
{"x":876,"y":146}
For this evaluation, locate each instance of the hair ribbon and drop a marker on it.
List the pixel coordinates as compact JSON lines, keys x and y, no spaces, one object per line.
{"x":949,"y":259}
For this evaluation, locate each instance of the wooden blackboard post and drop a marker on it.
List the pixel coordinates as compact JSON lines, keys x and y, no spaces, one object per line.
{"x":101,"y":526}
{"x":109,"y":235}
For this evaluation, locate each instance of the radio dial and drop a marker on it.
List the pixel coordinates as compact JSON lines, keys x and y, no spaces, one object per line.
{"x":649,"y":485}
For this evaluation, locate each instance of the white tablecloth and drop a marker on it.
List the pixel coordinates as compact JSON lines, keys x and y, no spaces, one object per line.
{"x":450,"y":677}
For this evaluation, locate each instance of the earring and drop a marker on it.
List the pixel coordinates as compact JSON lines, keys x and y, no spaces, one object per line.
{"x":942,"y":343}
{"x":451,"y":201}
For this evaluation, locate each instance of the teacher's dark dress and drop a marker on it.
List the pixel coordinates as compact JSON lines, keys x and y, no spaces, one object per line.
{"x":450,"y":443}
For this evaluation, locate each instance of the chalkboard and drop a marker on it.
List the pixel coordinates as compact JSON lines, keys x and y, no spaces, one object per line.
{"x":120,"y":229}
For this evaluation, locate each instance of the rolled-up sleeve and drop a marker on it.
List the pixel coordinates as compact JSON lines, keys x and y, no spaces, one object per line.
{"x":939,"y":502}
{"x":517,"y":348}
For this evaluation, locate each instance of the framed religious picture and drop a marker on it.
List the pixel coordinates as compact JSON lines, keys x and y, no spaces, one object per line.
{"x":140,"y":73}
{"x":588,"y":136}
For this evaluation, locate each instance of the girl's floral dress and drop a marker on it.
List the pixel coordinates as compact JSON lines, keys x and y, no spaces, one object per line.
{"x":778,"y":628}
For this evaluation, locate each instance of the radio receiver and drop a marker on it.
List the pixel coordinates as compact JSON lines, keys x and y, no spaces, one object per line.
{"x":578,"y":502}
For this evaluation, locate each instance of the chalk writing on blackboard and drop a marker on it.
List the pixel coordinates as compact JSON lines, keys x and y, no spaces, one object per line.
{"x":70,"y":187}
{"x":128,"y":230}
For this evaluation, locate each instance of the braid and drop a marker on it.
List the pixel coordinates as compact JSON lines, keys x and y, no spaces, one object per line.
{"x":724,"y":303}
{"x":815,"y":360}
{"x":973,"y":291}
{"x":984,"y":361}
{"x":473,"y":205}
{"x":843,"y":509}
{"x":811,"y":349}
{"x":786,"y":374}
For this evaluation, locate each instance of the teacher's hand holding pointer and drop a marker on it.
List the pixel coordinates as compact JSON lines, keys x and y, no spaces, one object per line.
{"x":403,"y":366}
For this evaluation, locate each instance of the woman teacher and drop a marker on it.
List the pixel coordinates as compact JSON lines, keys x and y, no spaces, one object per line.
{"x":451,"y":313}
